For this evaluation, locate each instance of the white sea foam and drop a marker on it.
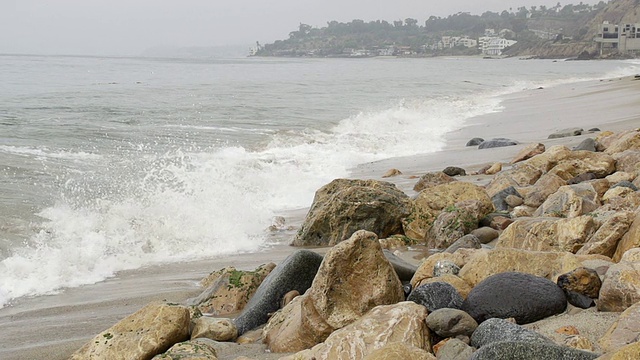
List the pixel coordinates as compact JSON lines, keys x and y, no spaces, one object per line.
{"x":43,"y":153}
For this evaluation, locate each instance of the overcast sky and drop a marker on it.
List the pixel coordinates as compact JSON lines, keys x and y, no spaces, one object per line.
{"x":128,"y":27}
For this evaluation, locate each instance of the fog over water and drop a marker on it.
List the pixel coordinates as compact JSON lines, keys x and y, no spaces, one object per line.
{"x":119,"y":27}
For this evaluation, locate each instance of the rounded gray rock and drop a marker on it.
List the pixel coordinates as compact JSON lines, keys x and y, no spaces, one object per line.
{"x":436,"y":295}
{"x":486,"y":234}
{"x":475,"y":141}
{"x":455,"y":349}
{"x":525,"y":297}
{"x":451,"y":322}
{"x":530,"y":351}
{"x":454,"y":171}
{"x":497,"y":142}
{"x":499,"y":330}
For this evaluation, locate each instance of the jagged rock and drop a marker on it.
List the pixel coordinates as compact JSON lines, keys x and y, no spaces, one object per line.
{"x":455,"y":349}
{"x":588,"y":144}
{"x":530,"y":351}
{"x":628,"y":161}
{"x":528,"y":152}
{"x":436,"y":295}
{"x":214,"y":328}
{"x":494,"y":169}
{"x":566,"y":133}
{"x":497,"y":142}
{"x":540,"y":191}
{"x":584,"y":162}
{"x":468,"y":242}
{"x":398,"y":323}
{"x":296,"y":272}
{"x":475,"y":142}
{"x":570,"y":201}
{"x":621,"y":284}
{"x":448,"y":322}
{"x":429,"y":204}
{"x":432,"y":179}
{"x":605,"y":240}
{"x":520,"y":175}
{"x":548,"y":234}
{"x":142,"y":335}
{"x":403,"y":269}
{"x":499,"y":330}
{"x":445,"y":267}
{"x":188,"y":350}
{"x":525,"y":297}
{"x":624,"y":331}
{"x":395,"y":351}
{"x":619,"y":176}
{"x":228,"y":290}
{"x":628,"y":141}
{"x":630,"y":240}
{"x":344,"y":206}
{"x":581,"y":280}
{"x":454,"y":171}
{"x":353,"y":278}
{"x":392,"y":173}
{"x":485,"y":234}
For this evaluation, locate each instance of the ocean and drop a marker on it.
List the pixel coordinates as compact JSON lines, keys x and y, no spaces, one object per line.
{"x":111,"y":164}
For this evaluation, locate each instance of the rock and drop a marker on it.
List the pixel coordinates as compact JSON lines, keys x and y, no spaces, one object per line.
{"x":454,"y":349}
{"x":581,"y":280}
{"x":475,"y":142}
{"x":188,"y":350}
{"x":582,"y":178}
{"x":454,"y":171}
{"x":522,"y":211}
{"x":626,"y":330}
{"x":395,"y":351}
{"x":587,"y":144}
{"x":448,"y":322}
{"x":592,"y":130}
{"x":354,"y":277}
{"x":445,"y":267}
{"x":403,"y":269}
{"x":566,"y":133}
{"x":619,"y":176}
{"x":436,"y":295}
{"x":548,"y":234}
{"x":426,"y":268}
{"x":615,"y":195}
{"x":520,"y":175}
{"x":513,"y":201}
{"x":430,"y":180}
{"x":570,"y":201}
{"x":494,"y":169}
{"x":460,"y":285}
{"x":525,"y":297}
{"x":528,"y":152}
{"x":530,"y":351}
{"x":579,"y":300}
{"x":497,"y":142}
{"x":228,"y":290}
{"x":398,"y":323}
{"x":568,"y":330}
{"x":454,"y":222}
{"x":468,"y":242}
{"x":626,"y":184}
{"x":397,"y":242}
{"x":499,"y":330}
{"x":628,"y":141}
{"x":345,"y":206}
{"x":499,"y":200}
{"x":392,"y":173}
{"x":621,"y":286}
{"x":148,"y":332}
{"x":497,"y":221}
{"x":288,"y":297}
{"x":296,"y":272}
{"x":485,"y":234}
{"x":605,"y":240}
{"x":214,"y":328}
{"x":628,"y":161}
{"x":629,"y":240}
{"x":628,"y":352}
{"x":546,"y":185}
{"x":580,"y":162}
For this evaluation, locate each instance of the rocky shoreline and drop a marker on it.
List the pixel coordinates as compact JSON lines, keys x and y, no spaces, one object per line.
{"x":540,"y":262}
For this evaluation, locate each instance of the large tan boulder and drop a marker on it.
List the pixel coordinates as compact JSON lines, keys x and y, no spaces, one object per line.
{"x":542,"y":189}
{"x":189,"y":350}
{"x":629,"y":352}
{"x":429,"y":203}
{"x":354,"y":277}
{"x":148,"y":332}
{"x":397,"y":350}
{"x":345,"y":206}
{"x":550,"y":158}
{"x":617,"y":192}
{"x":628,"y":140}
{"x":630,"y":240}
{"x":485,"y":263}
{"x":228,"y":290}
{"x":548,"y":234}
{"x":624,"y":331}
{"x":628,"y":161}
{"x":214,"y":328}
{"x":621,"y":285}
{"x":582,"y":161}
{"x":432,"y":179}
{"x":403,"y":322}
{"x":605,"y":240}
{"x":570,"y":201}
{"x":619,"y":176}
{"x":528,"y":152}
{"x":454,"y":222}
{"x":519,"y":175}
{"x":425,"y":270}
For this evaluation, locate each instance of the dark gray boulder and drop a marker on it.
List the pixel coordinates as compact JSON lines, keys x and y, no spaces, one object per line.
{"x":475,"y":141}
{"x":454,"y":171}
{"x":593,"y":129}
{"x":530,"y":351}
{"x":587,"y":144}
{"x":499,"y":199}
{"x":579,"y":300}
{"x":436,"y":295}
{"x":499,"y":330}
{"x":524,"y":297}
{"x":497,"y":142}
{"x":296,"y":272}
{"x":566,"y":133}
{"x":467,"y":242}
{"x":627,"y":184}
{"x":404,"y":270}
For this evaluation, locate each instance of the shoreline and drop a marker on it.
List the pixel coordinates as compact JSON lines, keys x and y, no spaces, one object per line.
{"x":56,"y":325}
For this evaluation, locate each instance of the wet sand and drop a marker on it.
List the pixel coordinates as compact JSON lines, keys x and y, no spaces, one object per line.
{"x":54,"y":326}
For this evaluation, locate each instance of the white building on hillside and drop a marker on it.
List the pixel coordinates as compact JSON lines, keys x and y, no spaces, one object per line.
{"x":495,"y":46}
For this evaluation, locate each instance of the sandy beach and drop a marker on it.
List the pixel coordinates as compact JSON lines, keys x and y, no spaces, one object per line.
{"x":54,"y":326}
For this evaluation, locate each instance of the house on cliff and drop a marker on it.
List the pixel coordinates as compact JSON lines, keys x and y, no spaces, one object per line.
{"x":621,"y":38}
